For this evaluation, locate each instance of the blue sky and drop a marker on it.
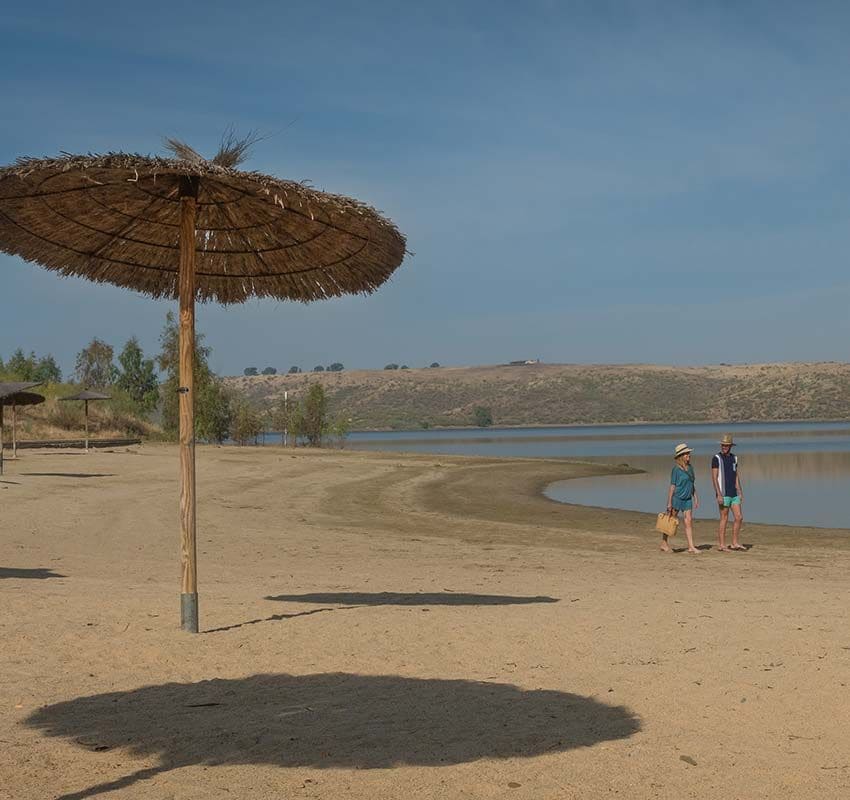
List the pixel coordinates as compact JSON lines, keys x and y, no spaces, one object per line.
{"x":579,"y":181}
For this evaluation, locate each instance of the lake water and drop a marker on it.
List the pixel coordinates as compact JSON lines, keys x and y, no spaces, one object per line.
{"x":794,"y":473}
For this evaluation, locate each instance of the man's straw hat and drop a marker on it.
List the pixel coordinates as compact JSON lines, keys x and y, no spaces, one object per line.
{"x":727,"y":439}
{"x":681,"y":449}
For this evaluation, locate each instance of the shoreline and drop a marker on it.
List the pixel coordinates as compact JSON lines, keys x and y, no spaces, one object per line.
{"x":631,"y":424}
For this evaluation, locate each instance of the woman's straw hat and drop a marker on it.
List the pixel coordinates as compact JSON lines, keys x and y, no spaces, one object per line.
{"x":681,"y":449}
{"x":727,"y":439}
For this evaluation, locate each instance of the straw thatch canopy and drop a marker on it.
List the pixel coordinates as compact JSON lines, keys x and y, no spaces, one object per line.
{"x":13,"y":387}
{"x":192,"y":229}
{"x":114,"y":218}
{"x":22,"y":399}
{"x":87,"y":394}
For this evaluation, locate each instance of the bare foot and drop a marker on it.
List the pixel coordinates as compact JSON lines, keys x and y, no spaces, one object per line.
{"x":665,"y":548}
{"x":694,"y":550}
{"x":725,"y":549}
{"x":737,"y":547}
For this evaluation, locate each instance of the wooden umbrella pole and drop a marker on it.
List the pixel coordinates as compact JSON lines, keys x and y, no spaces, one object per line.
{"x":14,"y":431}
{"x":188,"y":546}
{"x":86,"y":402}
{"x":2,"y":437}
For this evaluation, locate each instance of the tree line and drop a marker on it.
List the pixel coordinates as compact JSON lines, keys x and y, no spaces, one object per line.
{"x":335,"y":367}
{"x":150,"y":386}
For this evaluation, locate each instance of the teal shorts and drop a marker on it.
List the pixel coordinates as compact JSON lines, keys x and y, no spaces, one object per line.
{"x":731,"y":501}
{"x":682,"y":505}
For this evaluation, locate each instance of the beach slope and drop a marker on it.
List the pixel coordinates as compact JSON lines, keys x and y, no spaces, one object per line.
{"x":382,"y":625}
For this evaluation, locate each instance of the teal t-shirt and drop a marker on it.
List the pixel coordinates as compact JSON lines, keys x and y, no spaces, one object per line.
{"x":683,"y":481}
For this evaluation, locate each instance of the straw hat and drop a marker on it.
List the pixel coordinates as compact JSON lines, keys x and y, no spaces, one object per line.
{"x":681,"y":449}
{"x":727,"y":439}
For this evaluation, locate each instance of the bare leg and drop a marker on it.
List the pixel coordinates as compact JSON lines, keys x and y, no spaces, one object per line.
{"x":665,"y":545}
{"x":721,"y":531}
{"x":736,"y":527}
{"x":689,"y":531}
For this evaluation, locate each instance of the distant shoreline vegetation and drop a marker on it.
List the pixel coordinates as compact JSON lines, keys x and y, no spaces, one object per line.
{"x":556,"y":395}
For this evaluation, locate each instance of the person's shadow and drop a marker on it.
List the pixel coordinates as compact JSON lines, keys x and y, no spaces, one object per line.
{"x":329,"y":721}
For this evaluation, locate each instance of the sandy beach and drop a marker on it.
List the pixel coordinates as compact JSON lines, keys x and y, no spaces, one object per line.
{"x":379,"y":626}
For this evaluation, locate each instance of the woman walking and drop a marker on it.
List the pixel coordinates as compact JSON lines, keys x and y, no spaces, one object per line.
{"x":682,"y":494}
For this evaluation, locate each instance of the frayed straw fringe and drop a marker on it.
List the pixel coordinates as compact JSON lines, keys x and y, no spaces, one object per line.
{"x":114,"y":218}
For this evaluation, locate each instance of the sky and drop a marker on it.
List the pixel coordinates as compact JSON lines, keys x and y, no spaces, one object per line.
{"x":579,"y":182}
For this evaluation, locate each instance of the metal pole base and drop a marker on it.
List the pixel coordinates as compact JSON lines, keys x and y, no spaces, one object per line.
{"x":189,"y":612}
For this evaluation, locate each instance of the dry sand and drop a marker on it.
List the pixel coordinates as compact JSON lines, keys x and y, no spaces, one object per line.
{"x":384,"y":626}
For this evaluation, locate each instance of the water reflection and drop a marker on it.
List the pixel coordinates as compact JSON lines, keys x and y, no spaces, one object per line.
{"x":632,"y":441}
{"x":795,"y":473}
{"x":794,"y":488}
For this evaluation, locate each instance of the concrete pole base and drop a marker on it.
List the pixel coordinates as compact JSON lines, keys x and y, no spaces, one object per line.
{"x":189,"y":612}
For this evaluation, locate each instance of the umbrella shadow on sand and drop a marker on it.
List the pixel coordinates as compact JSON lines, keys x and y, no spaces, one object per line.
{"x":446,"y":598}
{"x":335,"y":720}
{"x":349,"y":600}
{"x":69,"y":474}
{"x":39,"y":573}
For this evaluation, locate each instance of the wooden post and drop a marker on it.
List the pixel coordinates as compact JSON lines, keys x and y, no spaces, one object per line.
{"x":186,"y":290}
{"x":86,"y":402}
{"x":1,"y":438}
{"x":14,"y":431}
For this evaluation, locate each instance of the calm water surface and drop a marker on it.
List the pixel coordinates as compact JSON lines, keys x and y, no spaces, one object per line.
{"x":794,"y":473}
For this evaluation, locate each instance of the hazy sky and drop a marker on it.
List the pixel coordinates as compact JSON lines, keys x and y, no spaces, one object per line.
{"x":579,"y":181}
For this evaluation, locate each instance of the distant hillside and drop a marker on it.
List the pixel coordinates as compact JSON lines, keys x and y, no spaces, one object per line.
{"x":549,"y":394}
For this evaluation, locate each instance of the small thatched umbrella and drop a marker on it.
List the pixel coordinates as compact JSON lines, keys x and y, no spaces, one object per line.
{"x":9,"y":389}
{"x":85,"y":396}
{"x":192,"y":229}
{"x":16,"y":400}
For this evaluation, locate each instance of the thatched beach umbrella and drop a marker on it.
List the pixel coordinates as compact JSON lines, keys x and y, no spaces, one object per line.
{"x":17,"y":400}
{"x":192,"y":229}
{"x":85,"y":396}
{"x":9,"y":389}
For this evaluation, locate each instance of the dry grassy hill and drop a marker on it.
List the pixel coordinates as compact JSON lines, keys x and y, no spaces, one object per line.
{"x":548,"y":394}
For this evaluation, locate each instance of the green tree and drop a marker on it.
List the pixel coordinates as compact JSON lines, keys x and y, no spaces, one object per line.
{"x":137,"y":376}
{"x":435,"y":364}
{"x":212,"y":406}
{"x":294,"y":370}
{"x":336,"y":367}
{"x":213,"y":411}
{"x":47,"y":370}
{"x":314,"y":409}
{"x":269,"y":371}
{"x":246,"y":424}
{"x":94,"y":366}
{"x":296,"y":423}
{"x":338,"y":431}
{"x":250,"y":371}
{"x":391,"y":366}
{"x":318,"y":368}
{"x":21,"y":366}
{"x":483,"y":416}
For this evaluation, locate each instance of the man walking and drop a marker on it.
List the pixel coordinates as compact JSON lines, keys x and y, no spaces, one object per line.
{"x":729,"y":492}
